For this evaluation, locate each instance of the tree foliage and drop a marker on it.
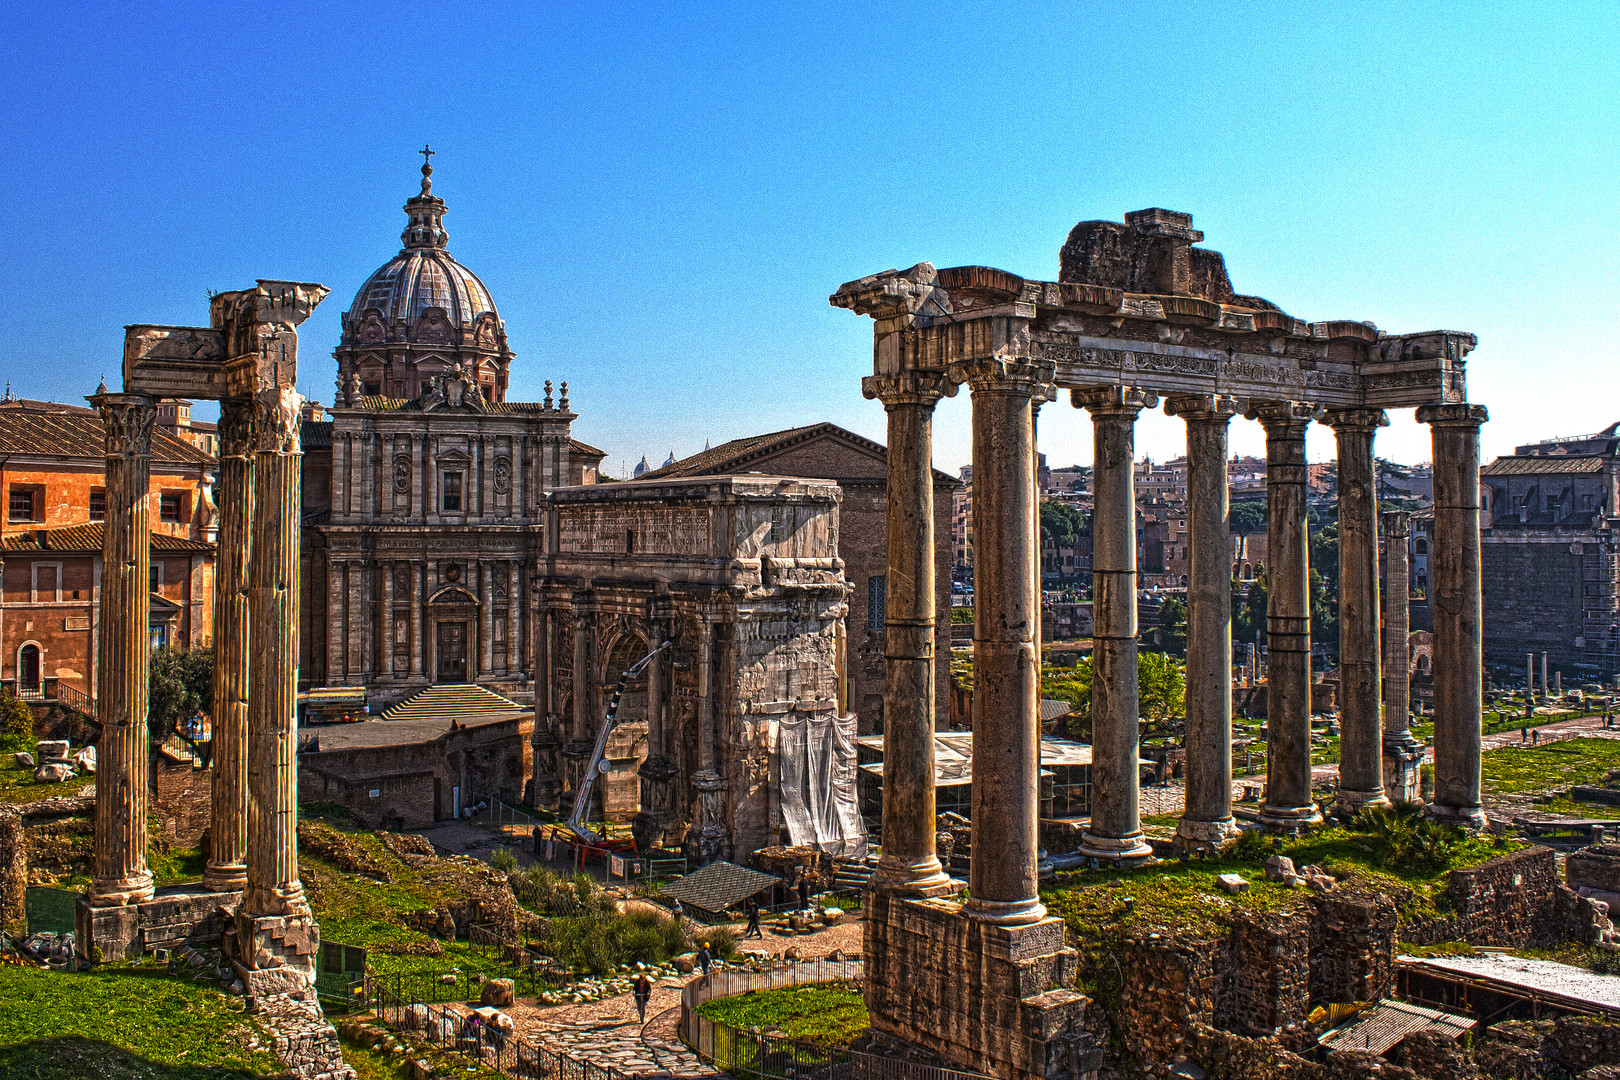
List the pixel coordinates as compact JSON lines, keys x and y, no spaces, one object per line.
{"x":1249,"y":609}
{"x":1247,"y":517}
{"x":1062,"y":525}
{"x":1162,"y":686}
{"x":181,"y":686}
{"x":16,"y":724}
{"x":1173,"y":625}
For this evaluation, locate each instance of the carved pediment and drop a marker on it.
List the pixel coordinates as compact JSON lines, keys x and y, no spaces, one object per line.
{"x":434,"y":327}
{"x":372,"y":328}
{"x":453,"y":594}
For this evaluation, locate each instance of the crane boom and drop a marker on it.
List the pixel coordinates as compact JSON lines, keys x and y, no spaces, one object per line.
{"x":582,"y":799}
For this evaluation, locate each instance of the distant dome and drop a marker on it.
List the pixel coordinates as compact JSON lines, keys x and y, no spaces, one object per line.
{"x":398,"y":302}
{"x":641,"y":468}
{"x":669,"y":460}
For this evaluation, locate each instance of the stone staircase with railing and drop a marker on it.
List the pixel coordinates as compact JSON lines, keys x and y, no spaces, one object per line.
{"x":461,"y":702}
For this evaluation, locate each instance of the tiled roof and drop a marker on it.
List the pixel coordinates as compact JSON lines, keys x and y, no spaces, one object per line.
{"x":379,"y":403}
{"x":88,"y":538}
{"x":733,"y":455}
{"x":718,"y":886}
{"x":460,"y":701}
{"x":37,"y":433}
{"x":584,"y":448}
{"x":316,"y":434}
{"x":1543,"y":466}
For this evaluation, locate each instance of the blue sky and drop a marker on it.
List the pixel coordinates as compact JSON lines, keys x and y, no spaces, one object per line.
{"x":661,"y":197}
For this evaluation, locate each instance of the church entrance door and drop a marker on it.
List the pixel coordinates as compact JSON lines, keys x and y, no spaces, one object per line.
{"x":452,"y":653}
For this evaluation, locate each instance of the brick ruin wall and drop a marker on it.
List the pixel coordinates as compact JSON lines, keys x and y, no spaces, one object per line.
{"x":38,"y":839}
{"x":1532,"y":601}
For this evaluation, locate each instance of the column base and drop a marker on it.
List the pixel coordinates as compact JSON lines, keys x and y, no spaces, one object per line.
{"x":116,"y":892}
{"x":1289,"y":819}
{"x":1132,"y":850}
{"x":1194,"y":835}
{"x":1005,"y":912}
{"x":1403,"y":772}
{"x":275,"y":954}
{"x":912,"y":877}
{"x":225,"y":877}
{"x":1347,"y":803}
{"x":1469,"y":818}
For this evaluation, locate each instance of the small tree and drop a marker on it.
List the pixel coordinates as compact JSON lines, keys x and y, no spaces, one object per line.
{"x":16,"y":724}
{"x":181,"y":685}
{"x":1173,"y":625}
{"x":1162,"y":686}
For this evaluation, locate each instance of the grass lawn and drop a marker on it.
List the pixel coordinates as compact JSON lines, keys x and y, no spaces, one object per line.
{"x":18,"y":785}
{"x":1514,"y":769}
{"x":122,"y":1023}
{"x":827,"y":1013}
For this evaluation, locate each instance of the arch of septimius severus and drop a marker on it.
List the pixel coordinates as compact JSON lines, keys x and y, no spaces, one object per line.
{"x":1138,"y":315}
{"x":247,"y":361}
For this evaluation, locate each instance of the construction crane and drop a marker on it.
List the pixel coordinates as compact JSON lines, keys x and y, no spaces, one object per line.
{"x":599,"y":765}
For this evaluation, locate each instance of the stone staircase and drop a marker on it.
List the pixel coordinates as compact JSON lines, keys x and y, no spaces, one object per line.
{"x":460,"y":702}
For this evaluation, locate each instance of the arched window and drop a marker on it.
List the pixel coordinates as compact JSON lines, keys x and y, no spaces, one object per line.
{"x":1421,"y":546}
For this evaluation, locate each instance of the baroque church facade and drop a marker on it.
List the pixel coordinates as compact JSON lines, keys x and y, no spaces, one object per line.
{"x":423,"y":489}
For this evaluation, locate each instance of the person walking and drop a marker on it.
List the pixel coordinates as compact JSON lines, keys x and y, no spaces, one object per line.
{"x":804,"y":891}
{"x":753,"y":921}
{"x":643,"y":992}
{"x":703,"y":957}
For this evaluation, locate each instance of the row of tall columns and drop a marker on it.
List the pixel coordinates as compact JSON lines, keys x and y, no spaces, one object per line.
{"x":254,"y":843}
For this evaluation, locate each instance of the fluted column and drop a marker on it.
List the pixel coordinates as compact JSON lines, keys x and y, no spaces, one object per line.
{"x":659,"y":770}
{"x":1402,"y":752}
{"x":514,"y":608}
{"x":547,"y":740}
{"x":1207,"y":821}
{"x":233,"y":659}
{"x":1288,"y":804}
{"x":1361,"y":768}
{"x":577,"y":751}
{"x":1115,"y":832}
{"x":120,"y":875}
{"x":1454,"y":583}
{"x":909,"y":865}
{"x":273,"y":887}
{"x":1006,"y":668}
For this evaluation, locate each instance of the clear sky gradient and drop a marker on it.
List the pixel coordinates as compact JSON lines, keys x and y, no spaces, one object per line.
{"x":661,"y":197}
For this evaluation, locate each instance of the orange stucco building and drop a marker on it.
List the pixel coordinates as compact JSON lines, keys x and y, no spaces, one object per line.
{"x":52,"y":476}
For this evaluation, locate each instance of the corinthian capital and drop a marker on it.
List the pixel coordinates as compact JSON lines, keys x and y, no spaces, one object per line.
{"x":235,"y":427}
{"x":1217,"y":408}
{"x":1397,"y":524}
{"x":1113,"y":400}
{"x":1356,"y":419}
{"x":1284,"y":419}
{"x":128,"y":419}
{"x":1460,"y":414}
{"x":277,"y":418}
{"x":908,"y":388}
{"x":1007,"y":375}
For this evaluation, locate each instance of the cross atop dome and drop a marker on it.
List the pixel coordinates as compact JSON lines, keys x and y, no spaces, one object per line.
{"x":427,"y":153}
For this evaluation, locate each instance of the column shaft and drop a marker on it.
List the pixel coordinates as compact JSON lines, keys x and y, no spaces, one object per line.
{"x":1006,"y":669}
{"x":909,"y":865}
{"x":120,"y":875}
{"x":486,"y":619}
{"x":1115,"y":832}
{"x":227,"y":827}
{"x":1454,"y":580}
{"x":417,"y":594}
{"x":1207,"y":822}
{"x":1288,"y":804}
{"x":273,"y":887}
{"x":514,"y":608}
{"x":385,"y":658}
{"x":1402,"y":753}
{"x":1361,"y":767}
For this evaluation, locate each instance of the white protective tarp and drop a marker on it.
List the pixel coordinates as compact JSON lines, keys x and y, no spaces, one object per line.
{"x":818,"y":760}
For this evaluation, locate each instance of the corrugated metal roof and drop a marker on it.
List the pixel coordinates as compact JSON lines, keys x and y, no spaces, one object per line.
{"x":1544,"y":978}
{"x":953,"y":755}
{"x":1387,"y":1023}
{"x":1542,"y":466}
{"x":718,"y":886}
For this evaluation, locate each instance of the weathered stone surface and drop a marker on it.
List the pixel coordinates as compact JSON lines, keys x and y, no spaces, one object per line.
{"x":496,"y":992}
{"x":23,"y":761}
{"x":1279,"y":868}
{"x":52,"y":749}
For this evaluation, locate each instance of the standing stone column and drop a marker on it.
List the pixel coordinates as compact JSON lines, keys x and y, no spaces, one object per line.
{"x":486,"y":620}
{"x":1454,"y":582}
{"x":385,"y":658}
{"x":514,"y":608}
{"x":1361,"y":763}
{"x":709,"y":839}
{"x":1288,"y":805}
{"x":277,"y":938}
{"x":418,"y":594}
{"x":910,"y":865}
{"x":120,"y":875}
{"x":227,"y":826}
{"x":1115,"y":832}
{"x":1006,"y":667}
{"x":1402,"y":752}
{"x":659,"y":770}
{"x":1207,"y":822}
{"x":577,"y":752}
{"x":546,"y":740}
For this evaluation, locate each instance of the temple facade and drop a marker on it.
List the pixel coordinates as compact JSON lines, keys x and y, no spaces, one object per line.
{"x":423,"y":487}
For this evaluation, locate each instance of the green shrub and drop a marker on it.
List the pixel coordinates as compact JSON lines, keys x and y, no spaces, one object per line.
{"x":16,"y":725}
{"x":503,"y":859}
{"x":1403,"y":840}
{"x":722,"y":943}
{"x":1252,"y":845}
{"x":600,"y":942}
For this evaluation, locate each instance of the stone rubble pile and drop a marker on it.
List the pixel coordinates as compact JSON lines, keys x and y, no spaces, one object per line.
{"x":304,"y":1040}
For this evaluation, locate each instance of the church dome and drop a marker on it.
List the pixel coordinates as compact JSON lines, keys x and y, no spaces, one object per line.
{"x":423,"y":293}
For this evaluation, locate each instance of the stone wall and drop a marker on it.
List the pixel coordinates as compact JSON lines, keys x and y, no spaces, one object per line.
{"x":37,"y":840}
{"x":181,"y":799}
{"x":993,"y":999}
{"x":1496,"y":903}
{"x":1352,"y":944}
{"x":1533,"y":603}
